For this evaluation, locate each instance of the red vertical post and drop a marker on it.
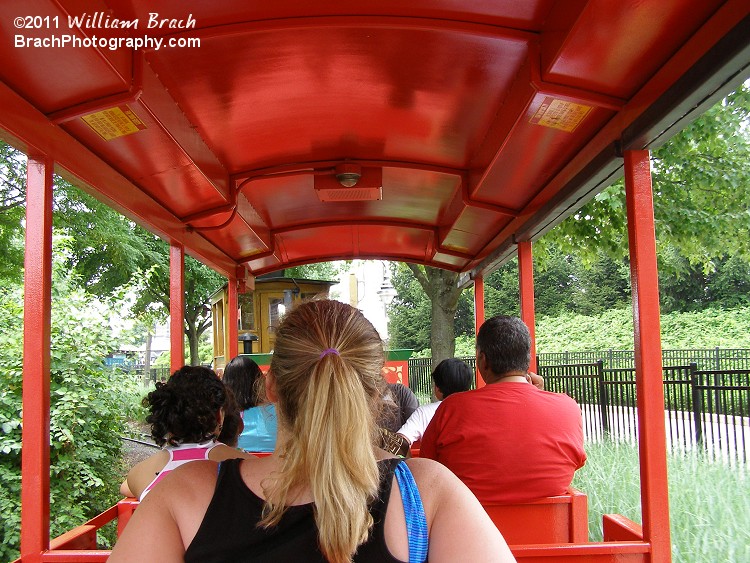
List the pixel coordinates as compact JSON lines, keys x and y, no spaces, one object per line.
{"x":526,"y":289}
{"x":176,"y":306}
{"x":478,"y":319}
{"x":35,"y":480}
{"x":232,"y":305}
{"x":648,"y":362}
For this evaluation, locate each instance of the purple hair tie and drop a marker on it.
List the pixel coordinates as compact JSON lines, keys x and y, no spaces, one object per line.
{"x":327,"y":351}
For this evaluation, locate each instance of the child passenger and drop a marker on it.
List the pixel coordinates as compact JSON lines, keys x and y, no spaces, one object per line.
{"x":187,"y":415}
{"x":450,"y":376}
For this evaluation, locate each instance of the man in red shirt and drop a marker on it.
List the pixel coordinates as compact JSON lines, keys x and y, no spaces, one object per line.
{"x":508,"y":441}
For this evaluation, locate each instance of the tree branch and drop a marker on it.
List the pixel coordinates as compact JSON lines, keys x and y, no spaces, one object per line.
{"x":421,"y":277}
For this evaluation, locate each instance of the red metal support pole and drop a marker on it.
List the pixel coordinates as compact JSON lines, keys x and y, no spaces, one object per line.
{"x":648,"y":362}
{"x":176,"y":306}
{"x":232,"y":306}
{"x":35,"y":479}
{"x":478,"y":318}
{"x":526,"y":289}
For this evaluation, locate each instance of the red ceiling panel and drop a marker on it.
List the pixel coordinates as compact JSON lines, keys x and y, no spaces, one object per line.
{"x":486,"y":117}
{"x":327,"y":92}
{"x":639,"y":36}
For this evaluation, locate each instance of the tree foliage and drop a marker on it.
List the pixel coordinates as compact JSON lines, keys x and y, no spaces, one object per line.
{"x":429,"y":297}
{"x":200,"y":283}
{"x":106,"y":250}
{"x":318,"y":271}
{"x":613,"y":329}
{"x":12,"y":201}
{"x":701,"y":182}
{"x":86,"y":414}
{"x":108,"y":253}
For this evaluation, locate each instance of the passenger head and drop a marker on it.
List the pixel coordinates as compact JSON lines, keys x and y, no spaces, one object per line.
{"x":326,"y":381}
{"x":506,"y":344}
{"x":187,"y":408}
{"x":233,"y":425}
{"x":243,"y":376}
{"x":452,"y":376}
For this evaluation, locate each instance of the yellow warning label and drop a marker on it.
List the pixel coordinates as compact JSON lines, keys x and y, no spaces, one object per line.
{"x":560,"y":114}
{"x":114,"y":122}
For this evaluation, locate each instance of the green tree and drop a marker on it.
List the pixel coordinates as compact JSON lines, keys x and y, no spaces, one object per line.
{"x":317,"y":271}
{"x":105,"y":250}
{"x":200,"y":283}
{"x":86,"y":412}
{"x":701,"y":181}
{"x":441,"y":288}
{"x":501,"y":291}
{"x":729,"y":285}
{"x":409,"y":313}
{"x":724,"y":282}
{"x":701,"y":184}
{"x":12,"y":201}
{"x":110,"y":252}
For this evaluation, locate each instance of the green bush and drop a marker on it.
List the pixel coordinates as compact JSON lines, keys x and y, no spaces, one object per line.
{"x":86,"y":414}
{"x":725,"y":328}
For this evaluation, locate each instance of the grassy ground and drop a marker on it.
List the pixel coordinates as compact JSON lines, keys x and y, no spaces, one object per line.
{"x":709,"y":501}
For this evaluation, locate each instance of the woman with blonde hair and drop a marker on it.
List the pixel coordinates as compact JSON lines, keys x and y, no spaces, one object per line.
{"x":327,"y":493}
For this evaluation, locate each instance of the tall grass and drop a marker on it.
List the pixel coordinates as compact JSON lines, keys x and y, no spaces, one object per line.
{"x":709,"y":502}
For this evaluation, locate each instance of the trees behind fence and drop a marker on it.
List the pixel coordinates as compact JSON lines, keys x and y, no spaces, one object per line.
{"x":707,"y":399}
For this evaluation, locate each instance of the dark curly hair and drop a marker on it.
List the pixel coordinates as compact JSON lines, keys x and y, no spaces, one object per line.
{"x":185,"y":408}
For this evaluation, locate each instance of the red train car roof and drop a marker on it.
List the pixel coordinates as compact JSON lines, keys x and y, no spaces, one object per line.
{"x":269,"y":134}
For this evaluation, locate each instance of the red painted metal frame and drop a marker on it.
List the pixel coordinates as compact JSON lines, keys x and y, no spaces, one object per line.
{"x":176,"y":305}
{"x":648,"y":369}
{"x":478,"y":319}
{"x":526,"y":289}
{"x":35,"y":478}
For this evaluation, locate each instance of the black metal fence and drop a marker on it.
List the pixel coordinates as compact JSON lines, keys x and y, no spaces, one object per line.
{"x":705,"y":358}
{"x":705,"y":408}
{"x":154,"y":373}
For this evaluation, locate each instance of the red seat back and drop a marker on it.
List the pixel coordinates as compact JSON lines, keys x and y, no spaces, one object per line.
{"x":558,"y":519}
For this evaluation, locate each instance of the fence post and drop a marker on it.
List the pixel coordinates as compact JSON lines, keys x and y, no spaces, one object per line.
{"x":603,"y":400}
{"x":697,"y":402}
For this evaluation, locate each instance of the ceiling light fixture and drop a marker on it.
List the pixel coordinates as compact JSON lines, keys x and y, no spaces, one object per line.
{"x":350,"y":182}
{"x":348,"y":174}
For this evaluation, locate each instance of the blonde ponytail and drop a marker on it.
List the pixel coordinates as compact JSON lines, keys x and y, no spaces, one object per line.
{"x":327,"y":368}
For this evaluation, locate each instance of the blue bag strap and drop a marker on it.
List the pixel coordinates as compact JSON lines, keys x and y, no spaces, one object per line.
{"x":416,"y":523}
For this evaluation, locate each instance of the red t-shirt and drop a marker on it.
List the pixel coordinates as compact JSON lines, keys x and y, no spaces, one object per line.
{"x":508,"y":442}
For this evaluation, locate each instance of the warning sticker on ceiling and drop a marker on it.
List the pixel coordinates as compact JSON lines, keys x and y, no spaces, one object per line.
{"x":114,"y":122}
{"x":560,"y":114}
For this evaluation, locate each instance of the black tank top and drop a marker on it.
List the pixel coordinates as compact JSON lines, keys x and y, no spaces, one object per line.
{"x":229,"y":533}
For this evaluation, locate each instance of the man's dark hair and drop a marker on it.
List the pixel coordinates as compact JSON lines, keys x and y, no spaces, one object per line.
{"x":506,"y":344}
{"x":452,"y":376}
